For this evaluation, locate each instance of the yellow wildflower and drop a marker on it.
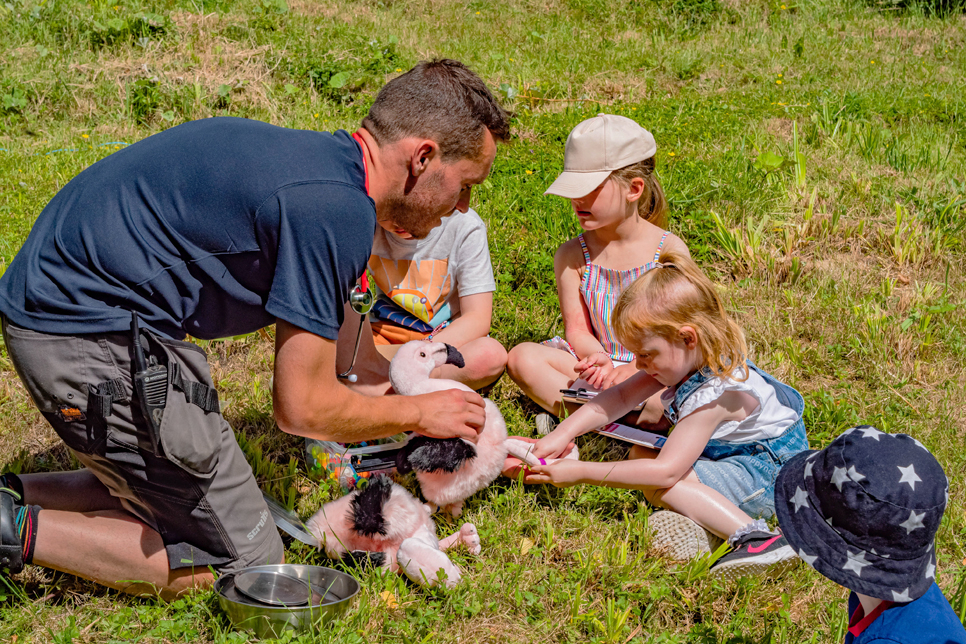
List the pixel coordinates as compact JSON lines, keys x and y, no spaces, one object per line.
{"x":84,"y":136}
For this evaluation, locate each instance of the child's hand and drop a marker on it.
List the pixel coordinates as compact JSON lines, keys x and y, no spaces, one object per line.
{"x":561,"y":474}
{"x":513,"y":466}
{"x":594,"y":369}
{"x":546,"y":448}
{"x":553,"y":445}
{"x":619,"y":375}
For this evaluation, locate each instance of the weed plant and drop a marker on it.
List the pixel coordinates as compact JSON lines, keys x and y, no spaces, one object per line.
{"x":814,"y":156}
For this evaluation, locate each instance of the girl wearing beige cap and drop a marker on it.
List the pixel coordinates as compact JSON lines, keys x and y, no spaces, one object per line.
{"x":609,"y":178}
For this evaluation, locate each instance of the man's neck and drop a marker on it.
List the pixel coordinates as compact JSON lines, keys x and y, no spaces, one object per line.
{"x":376,"y":166}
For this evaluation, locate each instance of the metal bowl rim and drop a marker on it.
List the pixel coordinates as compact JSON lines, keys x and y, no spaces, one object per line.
{"x":222,"y":581}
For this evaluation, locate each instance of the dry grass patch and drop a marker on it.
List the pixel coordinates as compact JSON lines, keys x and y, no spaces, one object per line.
{"x":201,"y":61}
{"x":614,"y":86}
{"x":313,"y":9}
{"x":346,"y":13}
{"x":780,"y":128}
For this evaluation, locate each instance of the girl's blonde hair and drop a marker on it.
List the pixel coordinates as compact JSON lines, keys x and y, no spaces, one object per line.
{"x":677,"y":294}
{"x":652,"y":206}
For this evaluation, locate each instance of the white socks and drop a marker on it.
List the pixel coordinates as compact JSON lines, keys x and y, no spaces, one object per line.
{"x":758,"y":525}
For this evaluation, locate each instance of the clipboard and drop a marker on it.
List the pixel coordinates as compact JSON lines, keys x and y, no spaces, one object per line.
{"x":581,"y":396}
{"x":633,"y":435}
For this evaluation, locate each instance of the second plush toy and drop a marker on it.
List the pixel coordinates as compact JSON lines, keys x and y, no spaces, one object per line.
{"x":388,"y":526}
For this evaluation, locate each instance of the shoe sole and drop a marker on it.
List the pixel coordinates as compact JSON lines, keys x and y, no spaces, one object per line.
{"x":680,"y":537}
{"x":545,"y":424}
{"x":771,"y":565}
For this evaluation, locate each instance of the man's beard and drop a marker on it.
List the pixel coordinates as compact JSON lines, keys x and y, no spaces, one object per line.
{"x":418,"y":212}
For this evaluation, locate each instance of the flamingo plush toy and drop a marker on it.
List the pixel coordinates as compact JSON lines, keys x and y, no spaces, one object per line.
{"x":389,"y":527}
{"x":449,"y":470}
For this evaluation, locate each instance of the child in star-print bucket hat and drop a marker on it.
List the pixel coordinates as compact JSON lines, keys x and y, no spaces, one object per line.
{"x":864,"y":513}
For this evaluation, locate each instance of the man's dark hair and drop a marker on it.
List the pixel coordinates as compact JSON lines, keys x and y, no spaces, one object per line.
{"x":440,"y":100}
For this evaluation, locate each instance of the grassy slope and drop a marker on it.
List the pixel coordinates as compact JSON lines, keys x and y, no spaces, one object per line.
{"x":861,"y":312}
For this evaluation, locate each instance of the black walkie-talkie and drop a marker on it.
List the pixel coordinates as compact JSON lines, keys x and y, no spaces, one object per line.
{"x":150,"y":386}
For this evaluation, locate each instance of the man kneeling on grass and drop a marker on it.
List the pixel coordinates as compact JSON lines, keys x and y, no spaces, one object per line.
{"x":215,"y":228}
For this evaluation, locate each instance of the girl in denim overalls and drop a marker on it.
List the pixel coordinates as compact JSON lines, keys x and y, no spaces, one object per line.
{"x":734,"y":426}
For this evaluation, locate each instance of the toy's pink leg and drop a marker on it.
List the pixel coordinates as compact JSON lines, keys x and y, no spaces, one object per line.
{"x":471,"y":538}
{"x":521,"y":449}
{"x":451,"y":540}
{"x":467,"y":535}
{"x":422,"y":562}
{"x":455,"y":509}
{"x":392,"y":562}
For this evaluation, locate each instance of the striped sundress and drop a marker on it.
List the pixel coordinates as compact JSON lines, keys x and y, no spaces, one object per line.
{"x":600,"y":288}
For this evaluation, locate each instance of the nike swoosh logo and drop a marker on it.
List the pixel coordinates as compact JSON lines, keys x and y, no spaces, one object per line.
{"x":756,"y":549}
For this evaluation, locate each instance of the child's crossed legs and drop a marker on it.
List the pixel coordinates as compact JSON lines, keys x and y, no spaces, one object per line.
{"x":690,"y":497}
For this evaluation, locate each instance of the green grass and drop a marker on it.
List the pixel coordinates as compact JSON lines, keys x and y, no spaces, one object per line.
{"x":843,"y":260}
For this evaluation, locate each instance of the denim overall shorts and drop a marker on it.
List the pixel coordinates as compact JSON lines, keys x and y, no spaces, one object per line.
{"x":745,"y":472}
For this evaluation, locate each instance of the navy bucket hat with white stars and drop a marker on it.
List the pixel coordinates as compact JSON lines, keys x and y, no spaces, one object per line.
{"x":864,"y":512}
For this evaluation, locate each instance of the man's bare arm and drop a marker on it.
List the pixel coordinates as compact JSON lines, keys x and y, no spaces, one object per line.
{"x":310,"y":401}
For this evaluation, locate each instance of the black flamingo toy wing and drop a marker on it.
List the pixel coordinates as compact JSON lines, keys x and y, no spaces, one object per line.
{"x":424,"y":454}
{"x":367,"y":516}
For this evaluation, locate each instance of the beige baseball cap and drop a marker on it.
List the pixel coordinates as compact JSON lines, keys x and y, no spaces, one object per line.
{"x":597,"y":147}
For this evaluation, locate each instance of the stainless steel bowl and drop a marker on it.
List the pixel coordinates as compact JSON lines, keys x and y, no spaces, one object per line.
{"x":331,"y":593}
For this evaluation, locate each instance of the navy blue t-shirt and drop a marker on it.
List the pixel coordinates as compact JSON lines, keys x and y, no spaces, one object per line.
{"x":927,"y":620}
{"x":212,"y":228}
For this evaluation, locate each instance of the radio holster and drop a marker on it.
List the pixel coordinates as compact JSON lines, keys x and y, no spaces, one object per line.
{"x":150,"y":380}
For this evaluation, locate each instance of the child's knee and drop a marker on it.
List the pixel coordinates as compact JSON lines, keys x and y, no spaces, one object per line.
{"x":520,"y":360}
{"x":492,"y":356}
{"x":655,"y":496}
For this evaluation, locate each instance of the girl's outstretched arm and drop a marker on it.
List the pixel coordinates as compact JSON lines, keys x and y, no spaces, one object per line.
{"x":604,"y":408}
{"x":682,"y":449}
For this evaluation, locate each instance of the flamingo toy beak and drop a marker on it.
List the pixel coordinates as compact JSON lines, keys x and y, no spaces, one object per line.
{"x":454,"y":357}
